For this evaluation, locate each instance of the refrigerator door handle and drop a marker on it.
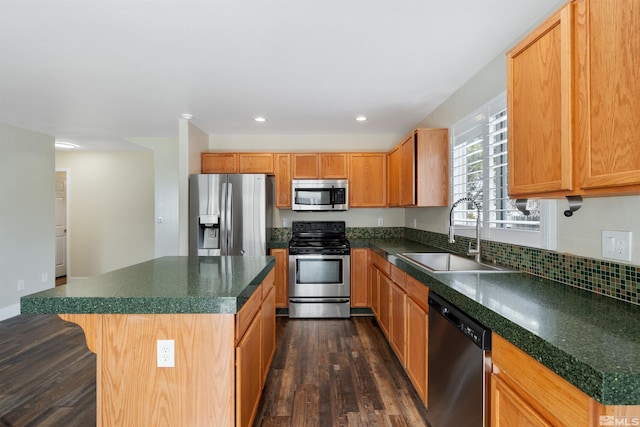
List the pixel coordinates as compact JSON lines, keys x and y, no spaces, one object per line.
{"x":229,"y":208}
{"x":223,"y":222}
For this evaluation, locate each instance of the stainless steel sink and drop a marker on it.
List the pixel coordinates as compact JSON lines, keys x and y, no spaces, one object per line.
{"x":442,"y":262}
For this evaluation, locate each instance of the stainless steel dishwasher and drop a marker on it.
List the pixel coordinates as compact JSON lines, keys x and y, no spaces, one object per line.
{"x":459,"y":367}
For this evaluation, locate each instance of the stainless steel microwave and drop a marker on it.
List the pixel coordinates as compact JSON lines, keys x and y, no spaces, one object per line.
{"x":320,"y":194}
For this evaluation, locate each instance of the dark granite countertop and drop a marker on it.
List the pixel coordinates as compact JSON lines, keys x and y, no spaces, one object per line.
{"x":163,"y":285}
{"x":590,"y":340}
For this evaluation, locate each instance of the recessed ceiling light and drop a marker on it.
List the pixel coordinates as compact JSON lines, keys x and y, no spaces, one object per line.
{"x":65,"y":145}
{"x":260,"y":119}
{"x":187,"y":116}
{"x":361,"y":118}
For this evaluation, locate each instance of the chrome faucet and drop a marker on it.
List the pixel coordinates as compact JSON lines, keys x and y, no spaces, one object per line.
{"x":471,"y":251}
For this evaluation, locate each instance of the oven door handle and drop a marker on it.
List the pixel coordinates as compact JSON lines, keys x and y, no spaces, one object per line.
{"x":318,"y":300}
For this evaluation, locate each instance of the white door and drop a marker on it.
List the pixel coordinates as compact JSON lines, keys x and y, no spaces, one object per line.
{"x":61,"y":224}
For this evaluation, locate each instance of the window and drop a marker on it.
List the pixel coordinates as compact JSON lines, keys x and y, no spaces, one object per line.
{"x":479,"y":175}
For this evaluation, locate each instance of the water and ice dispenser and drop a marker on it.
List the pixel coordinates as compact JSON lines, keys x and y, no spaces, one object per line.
{"x":209,"y":232}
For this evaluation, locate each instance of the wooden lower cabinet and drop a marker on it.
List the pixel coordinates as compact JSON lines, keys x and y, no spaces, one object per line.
{"x":509,"y":409}
{"x":254,"y":353}
{"x":417,"y":336}
{"x":398,"y":320}
{"x":281,"y":277}
{"x":248,"y":373}
{"x":524,"y":392}
{"x":374,"y":289}
{"x":268,"y":313}
{"x":384,"y":294}
{"x":360,"y":277}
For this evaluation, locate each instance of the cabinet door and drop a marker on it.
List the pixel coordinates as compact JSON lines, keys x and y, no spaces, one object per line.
{"x":359,"y":277}
{"x":248,"y":375}
{"x":283,"y":180}
{"x":305,"y":166}
{"x":268,"y":313}
{"x":539,"y":104}
{"x":384,"y":295}
{"x":374,"y":290}
{"x":432,"y":167}
{"x":408,"y":179}
{"x":398,"y":318}
{"x":367,"y":180}
{"x":219,"y":162}
{"x":282,"y":277}
{"x":334,"y":165}
{"x":608,"y":45}
{"x":256,"y":163}
{"x":394,"y":161}
{"x":508,"y":409}
{"x":417,"y":341}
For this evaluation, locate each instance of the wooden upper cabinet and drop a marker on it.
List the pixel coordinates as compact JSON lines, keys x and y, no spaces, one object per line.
{"x":305,"y":166}
{"x":256,"y":163}
{"x":419,"y":169}
{"x":334,"y":165}
{"x":367,"y":180}
{"x":608,"y":105}
{"x":237,"y":163}
{"x":408,"y":172}
{"x":573,"y":127}
{"x":283,"y":180}
{"x":394,"y":160}
{"x":219,"y":162}
{"x":539,"y":109}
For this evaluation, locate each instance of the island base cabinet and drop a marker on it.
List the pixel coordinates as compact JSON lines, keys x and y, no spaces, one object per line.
{"x":248,"y":374}
{"x":131,"y":390}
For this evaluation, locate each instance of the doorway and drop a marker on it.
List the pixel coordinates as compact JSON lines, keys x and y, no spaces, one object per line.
{"x":61,"y":227}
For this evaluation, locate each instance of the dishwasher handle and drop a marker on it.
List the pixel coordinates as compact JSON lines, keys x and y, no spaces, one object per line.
{"x":452,"y":318}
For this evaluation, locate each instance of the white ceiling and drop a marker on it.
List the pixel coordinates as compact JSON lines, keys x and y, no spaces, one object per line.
{"x":98,"y":71}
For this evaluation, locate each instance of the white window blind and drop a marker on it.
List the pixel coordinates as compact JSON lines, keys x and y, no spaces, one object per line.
{"x":479,"y":173}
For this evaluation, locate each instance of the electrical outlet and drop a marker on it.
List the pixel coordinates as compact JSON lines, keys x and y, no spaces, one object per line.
{"x":21,"y":284}
{"x":380,"y":222}
{"x":285,"y":222}
{"x":45,"y":277}
{"x":616,"y":245}
{"x":166,"y":353}
{"x":414,"y":223}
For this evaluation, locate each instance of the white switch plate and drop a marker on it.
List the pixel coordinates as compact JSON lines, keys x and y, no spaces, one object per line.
{"x":380,"y":222}
{"x":616,"y":245}
{"x":285,"y":222}
{"x":166,"y":354}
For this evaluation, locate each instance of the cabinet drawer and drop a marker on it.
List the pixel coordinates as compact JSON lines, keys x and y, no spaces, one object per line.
{"x":248,"y":312}
{"x":398,"y":276}
{"x":418,"y":292}
{"x":382,"y":264}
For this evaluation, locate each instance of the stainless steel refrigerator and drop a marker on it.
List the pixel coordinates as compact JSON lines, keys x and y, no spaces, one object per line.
{"x":229,"y":214}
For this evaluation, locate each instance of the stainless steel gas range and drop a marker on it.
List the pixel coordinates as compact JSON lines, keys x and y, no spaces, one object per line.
{"x":319,"y":270}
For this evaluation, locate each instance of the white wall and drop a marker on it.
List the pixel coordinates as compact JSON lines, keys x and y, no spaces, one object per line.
{"x":27,"y":226}
{"x":111,"y":209}
{"x":165,"y":155}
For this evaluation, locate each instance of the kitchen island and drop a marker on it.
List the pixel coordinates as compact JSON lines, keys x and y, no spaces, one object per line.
{"x":217,"y":312}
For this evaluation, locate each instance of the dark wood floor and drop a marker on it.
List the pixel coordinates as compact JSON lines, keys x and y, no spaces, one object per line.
{"x":337,"y":373}
{"x":325,"y":373}
{"x":47,"y":373}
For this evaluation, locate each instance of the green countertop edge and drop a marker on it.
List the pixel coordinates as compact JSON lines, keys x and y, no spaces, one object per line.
{"x":608,"y":388}
{"x":45,"y":303}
